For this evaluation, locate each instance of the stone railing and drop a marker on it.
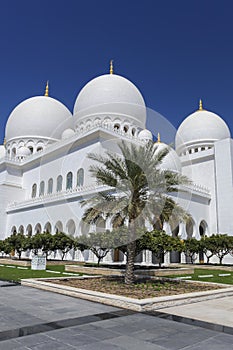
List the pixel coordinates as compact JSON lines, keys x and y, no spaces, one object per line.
{"x":57,"y":196}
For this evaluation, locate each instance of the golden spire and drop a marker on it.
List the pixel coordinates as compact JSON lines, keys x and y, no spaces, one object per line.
{"x":158,"y":138}
{"x":111,"y":67}
{"x":200,"y":105}
{"x":47,"y":89}
{"x":4,"y":141}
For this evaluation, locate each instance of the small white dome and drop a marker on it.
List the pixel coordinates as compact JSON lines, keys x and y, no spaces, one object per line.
{"x":171,"y":161}
{"x":201,"y":127}
{"x":23,"y":152}
{"x":145,"y":135}
{"x":111,"y":94}
{"x":2,"y":151}
{"x":68,"y":133}
{"x":38,"y":117}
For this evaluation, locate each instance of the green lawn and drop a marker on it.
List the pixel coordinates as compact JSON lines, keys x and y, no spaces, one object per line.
{"x":216,"y":278}
{"x":16,"y":273}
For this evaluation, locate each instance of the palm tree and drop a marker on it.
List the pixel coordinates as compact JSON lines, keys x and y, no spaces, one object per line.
{"x":137,"y":192}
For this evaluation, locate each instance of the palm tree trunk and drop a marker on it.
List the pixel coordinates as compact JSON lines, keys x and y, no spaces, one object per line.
{"x":129,"y":273}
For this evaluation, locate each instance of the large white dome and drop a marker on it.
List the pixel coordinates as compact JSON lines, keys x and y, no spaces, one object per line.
{"x":111,"y":94}
{"x":38,"y":116}
{"x":201,"y":127}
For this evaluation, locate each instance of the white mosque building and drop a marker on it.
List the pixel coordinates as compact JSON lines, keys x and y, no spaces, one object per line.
{"x":44,"y":168}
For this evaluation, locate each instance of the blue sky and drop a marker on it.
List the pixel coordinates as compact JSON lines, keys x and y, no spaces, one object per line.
{"x":175,"y":51}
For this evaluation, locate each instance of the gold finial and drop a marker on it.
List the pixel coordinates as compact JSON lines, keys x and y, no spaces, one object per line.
{"x":200,"y":105}
{"x":111,"y":67}
{"x":4,"y":141}
{"x":47,"y":89}
{"x":158,"y":138}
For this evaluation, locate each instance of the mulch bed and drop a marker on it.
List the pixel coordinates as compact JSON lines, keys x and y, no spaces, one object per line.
{"x":140,"y":289}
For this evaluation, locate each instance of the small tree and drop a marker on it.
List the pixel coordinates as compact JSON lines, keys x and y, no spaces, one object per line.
{"x":159,"y":243}
{"x":100,"y":243}
{"x":220,"y":245}
{"x":191,"y":248}
{"x":207,"y":246}
{"x":63,"y":242}
{"x":18,"y":242}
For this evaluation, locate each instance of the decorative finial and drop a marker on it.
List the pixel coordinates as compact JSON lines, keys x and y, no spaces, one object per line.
{"x":111,"y":67}
{"x":158,"y":138}
{"x":200,"y":105}
{"x":4,"y":141}
{"x":47,"y":89}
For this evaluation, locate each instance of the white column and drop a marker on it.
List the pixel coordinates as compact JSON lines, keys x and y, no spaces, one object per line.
{"x":167,"y":228}
{"x":182,"y":231}
{"x":143,"y":257}
{"x":167,"y":259}
{"x":182,"y":258}
{"x":148,"y":257}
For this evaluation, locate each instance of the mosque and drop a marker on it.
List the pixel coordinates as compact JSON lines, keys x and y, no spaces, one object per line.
{"x":44,"y":169}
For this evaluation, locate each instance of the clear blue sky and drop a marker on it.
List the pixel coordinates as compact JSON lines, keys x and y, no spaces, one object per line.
{"x":175,"y":51}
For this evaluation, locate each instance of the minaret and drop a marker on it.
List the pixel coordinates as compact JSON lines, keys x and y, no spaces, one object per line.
{"x":111,"y":67}
{"x":47,"y":89}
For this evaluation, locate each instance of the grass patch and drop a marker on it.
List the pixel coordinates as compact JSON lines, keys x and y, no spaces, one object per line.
{"x":16,"y":273}
{"x":216,"y":278}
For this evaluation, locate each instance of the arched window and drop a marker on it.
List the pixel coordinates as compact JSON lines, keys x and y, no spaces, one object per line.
{"x":41,"y":192}
{"x":69,"y":180}
{"x":59,"y":183}
{"x":80,"y":177}
{"x":13,"y":151}
{"x":39,"y":149}
{"x":50,"y":186}
{"x":34,"y":190}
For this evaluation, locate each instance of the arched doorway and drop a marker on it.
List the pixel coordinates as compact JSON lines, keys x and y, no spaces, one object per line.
{"x":48,"y":227}
{"x":203,"y":228}
{"x":174,"y":255}
{"x":38,"y":228}
{"x":71,"y":227}
{"x":58,"y":227}
{"x":21,"y":229}
{"x":29,"y":230}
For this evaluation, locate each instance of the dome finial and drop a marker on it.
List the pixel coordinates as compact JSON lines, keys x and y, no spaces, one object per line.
{"x":4,"y":142}
{"x":47,"y":89}
{"x":200,"y":105}
{"x":111,"y":67}
{"x":158,"y":138}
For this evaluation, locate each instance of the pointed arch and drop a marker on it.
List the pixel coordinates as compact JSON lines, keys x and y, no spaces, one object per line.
{"x":58,"y":227}
{"x":48,"y":227}
{"x":21,"y":229}
{"x":71,"y":227}
{"x":29,"y":230}
{"x":38,"y":228}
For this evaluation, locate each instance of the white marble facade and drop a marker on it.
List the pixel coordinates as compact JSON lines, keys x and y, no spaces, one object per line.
{"x":44,"y":168}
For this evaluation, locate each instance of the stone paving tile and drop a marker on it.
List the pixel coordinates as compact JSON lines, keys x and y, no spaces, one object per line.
{"x":132,"y":332}
{"x":219,"y":342}
{"x":128,"y":342}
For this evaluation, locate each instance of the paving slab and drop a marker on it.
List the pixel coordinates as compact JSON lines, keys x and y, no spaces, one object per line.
{"x":83,"y":325}
{"x":216,"y":311}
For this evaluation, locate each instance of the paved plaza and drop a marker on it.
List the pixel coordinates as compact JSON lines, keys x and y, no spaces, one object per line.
{"x":35,"y":319}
